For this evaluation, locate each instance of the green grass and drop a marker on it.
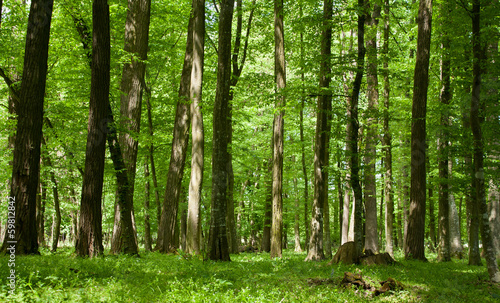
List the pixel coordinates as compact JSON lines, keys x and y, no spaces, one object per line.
{"x":154,"y":277}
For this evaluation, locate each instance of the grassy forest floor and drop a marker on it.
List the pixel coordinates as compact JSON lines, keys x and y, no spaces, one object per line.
{"x":250,"y":277}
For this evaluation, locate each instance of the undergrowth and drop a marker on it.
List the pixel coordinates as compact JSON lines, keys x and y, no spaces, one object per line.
{"x":250,"y":277}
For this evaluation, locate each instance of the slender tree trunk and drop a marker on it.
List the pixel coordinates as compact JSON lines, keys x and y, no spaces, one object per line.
{"x":387,"y":142}
{"x":371,"y":240}
{"x":443,"y":155}
{"x":416,"y":220}
{"x":278,"y":131}
{"x":494,"y":214}
{"x":296,"y":226}
{"x":456,"y":249}
{"x":166,"y":229}
{"x":217,"y":244}
{"x":148,"y":242}
{"x":321,"y":153}
{"x":352,"y":114}
{"x":29,"y":107}
{"x":40,"y":214}
{"x":89,"y":241}
{"x":193,"y":229}
{"x":476,"y":120}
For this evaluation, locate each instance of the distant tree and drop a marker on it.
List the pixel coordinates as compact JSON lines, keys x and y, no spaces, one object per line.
{"x":416,"y":221}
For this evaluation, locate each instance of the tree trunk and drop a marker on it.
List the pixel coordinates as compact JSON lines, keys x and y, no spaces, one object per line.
{"x":456,"y":249}
{"x":29,"y":107}
{"x":296,"y":226}
{"x":476,"y":120}
{"x":131,"y":87}
{"x":278,"y":131}
{"x":387,"y":142}
{"x":217,"y":244}
{"x":416,"y":220}
{"x":148,"y":242}
{"x":40,"y":214}
{"x":321,"y":152}
{"x":166,"y":229}
{"x":371,"y":239}
{"x":193,"y":228}
{"x":443,"y":154}
{"x":494,"y":212}
{"x":268,"y":212}
{"x":352,"y":114}
{"x":89,"y":241}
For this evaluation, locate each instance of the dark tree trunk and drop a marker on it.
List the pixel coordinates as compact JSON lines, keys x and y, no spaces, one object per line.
{"x":193,"y":228}
{"x":352,"y":114}
{"x":476,"y":119}
{"x":278,"y":131}
{"x":217,"y":244}
{"x":268,"y":213}
{"x":89,"y":240}
{"x":166,"y":230}
{"x":321,"y":151}
{"x":415,"y":248}
{"x":40,"y":214}
{"x":370,"y":194}
{"x":29,"y":107}
{"x":387,"y":142}
{"x":132,"y":85}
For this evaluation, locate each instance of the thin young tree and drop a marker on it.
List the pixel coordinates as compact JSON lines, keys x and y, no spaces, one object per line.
{"x":323,"y":127}
{"x":387,"y":141}
{"x":278,"y":131}
{"x":217,"y":243}
{"x":89,"y":239}
{"x":416,"y":221}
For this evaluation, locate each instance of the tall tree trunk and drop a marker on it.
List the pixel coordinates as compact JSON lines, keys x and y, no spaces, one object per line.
{"x":371,"y":239}
{"x":40,"y":213}
{"x":131,"y":87}
{"x":494,"y":214}
{"x":416,"y":221}
{"x":456,"y":249}
{"x":387,"y":141}
{"x":268,"y":211}
{"x":217,"y":243}
{"x":476,"y":120}
{"x":166,"y":230}
{"x":29,"y":107}
{"x":193,"y":228}
{"x":89,"y":240}
{"x":352,"y":114}
{"x":321,"y":152}
{"x":443,"y":154}
{"x":278,"y":131}
{"x":302,"y":140}
{"x":147,"y":193}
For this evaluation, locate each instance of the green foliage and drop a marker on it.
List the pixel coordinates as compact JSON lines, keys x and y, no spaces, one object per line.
{"x":248,"y":278}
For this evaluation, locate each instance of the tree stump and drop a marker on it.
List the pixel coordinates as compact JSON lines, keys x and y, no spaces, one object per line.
{"x":346,"y":254}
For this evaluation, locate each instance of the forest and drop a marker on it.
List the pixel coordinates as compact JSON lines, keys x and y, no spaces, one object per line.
{"x":249,"y":150}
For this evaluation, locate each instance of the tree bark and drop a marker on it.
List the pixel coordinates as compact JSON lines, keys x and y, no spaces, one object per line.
{"x":166,"y":230}
{"x":321,"y":152}
{"x":352,"y":114}
{"x":278,"y":131}
{"x":387,"y":141}
{"x":26,"y":163}
{"x":89,"y":241}
{"x":416,"y":220}
{"x":443,"y":154}
{"x":193,"y":228}
{"x":370,"y":194}
{"x":147,"y":193}
{"x":476,"y":120}
{"x":131,"y":87}
{"x":217,"y":244}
